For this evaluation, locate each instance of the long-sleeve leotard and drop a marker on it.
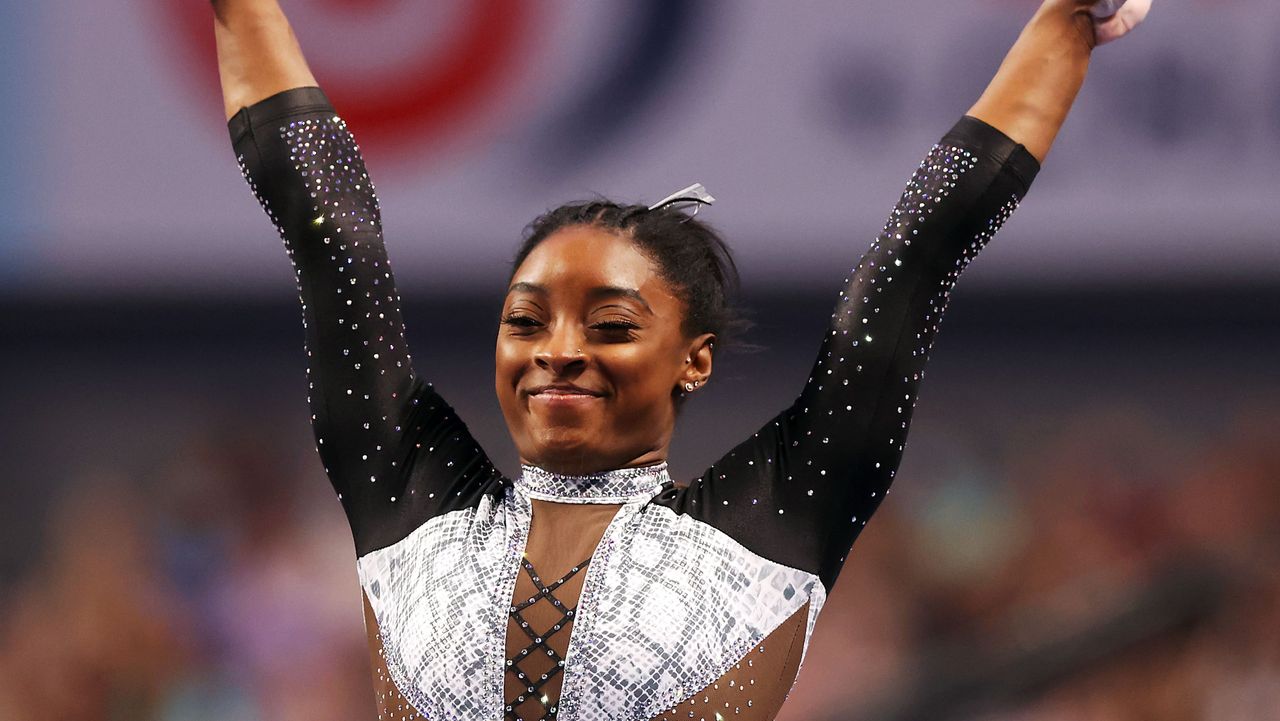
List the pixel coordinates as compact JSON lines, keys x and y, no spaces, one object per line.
{"x":392,"y":447}
{"x":800,"y":490}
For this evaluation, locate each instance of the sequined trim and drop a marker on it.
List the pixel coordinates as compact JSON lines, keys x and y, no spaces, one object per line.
{"x":582,"y":634}
{"x":620,"y":486}
{"x":817,"y":599}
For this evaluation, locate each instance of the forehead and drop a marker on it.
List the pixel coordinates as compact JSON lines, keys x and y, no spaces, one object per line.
{"x":578,"y":258}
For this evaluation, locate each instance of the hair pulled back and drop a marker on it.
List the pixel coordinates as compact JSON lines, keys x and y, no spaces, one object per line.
{"x":688,"y":254}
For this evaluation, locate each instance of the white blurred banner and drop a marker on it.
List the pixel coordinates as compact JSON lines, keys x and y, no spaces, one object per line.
{"x":804,"y":120}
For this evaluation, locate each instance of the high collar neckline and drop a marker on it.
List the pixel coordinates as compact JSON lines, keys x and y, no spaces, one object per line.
{"x":621,"y":485}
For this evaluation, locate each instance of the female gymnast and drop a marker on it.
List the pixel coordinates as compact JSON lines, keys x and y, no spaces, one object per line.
{"x":591,"y":586}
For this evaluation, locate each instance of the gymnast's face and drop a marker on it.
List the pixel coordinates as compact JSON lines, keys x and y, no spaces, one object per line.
{"x":589,"y":351}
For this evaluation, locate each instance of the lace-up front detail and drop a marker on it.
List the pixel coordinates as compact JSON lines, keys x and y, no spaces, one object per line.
{"x":539,"y":663}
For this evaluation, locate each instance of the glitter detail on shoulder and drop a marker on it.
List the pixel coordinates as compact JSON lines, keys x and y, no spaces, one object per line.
{"x":618,"y":486}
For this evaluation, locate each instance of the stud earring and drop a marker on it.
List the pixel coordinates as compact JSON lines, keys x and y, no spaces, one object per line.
{"x":688,"y":387}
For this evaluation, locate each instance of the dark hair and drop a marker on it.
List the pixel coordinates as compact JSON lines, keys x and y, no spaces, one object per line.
{"x":689,"y":254}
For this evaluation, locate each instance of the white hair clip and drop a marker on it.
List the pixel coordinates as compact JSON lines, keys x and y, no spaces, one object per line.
{"x":695,"y":194}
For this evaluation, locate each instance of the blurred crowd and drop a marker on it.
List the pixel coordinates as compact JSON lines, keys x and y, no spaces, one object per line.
{"x":1122,"y":568}
{"x":1117,"y":564}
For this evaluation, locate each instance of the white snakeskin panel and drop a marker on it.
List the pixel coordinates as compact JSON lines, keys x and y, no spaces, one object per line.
{"x":669,"y":604}
{"x":672,"y":604}
{"x":441,"y":597}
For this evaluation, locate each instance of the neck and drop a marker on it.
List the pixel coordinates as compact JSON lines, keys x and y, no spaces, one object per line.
{"x":582,"y":466}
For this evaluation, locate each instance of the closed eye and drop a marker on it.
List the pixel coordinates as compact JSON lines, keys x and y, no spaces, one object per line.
{"x":615,"y":325}
{"x":616,"y":331}
{"x":521,"y":321}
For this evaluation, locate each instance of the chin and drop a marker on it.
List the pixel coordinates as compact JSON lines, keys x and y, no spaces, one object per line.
{"x":566,"y":450}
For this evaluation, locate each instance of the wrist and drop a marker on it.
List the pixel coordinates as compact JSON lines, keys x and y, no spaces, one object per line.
{"x":1086,"y":28}
{"x":1071,"y":20}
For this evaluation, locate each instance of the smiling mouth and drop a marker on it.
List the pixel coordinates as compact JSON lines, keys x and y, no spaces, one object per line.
{"x":560,"y":394}
{"x":563,"y":397}
{"x":562,"y":389}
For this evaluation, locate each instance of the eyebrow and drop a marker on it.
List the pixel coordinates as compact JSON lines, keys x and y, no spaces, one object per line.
{"x":602,"y":291}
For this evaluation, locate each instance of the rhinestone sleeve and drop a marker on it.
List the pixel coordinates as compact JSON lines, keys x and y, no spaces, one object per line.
{"x":801,"y":489}
{"x":395,"y":452}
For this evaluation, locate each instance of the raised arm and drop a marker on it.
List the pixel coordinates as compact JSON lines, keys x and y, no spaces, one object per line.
{"x":258,"y":54}
{"x":395,"y":452}
{"x":801,"y":489}
{"x":1033,"y":90}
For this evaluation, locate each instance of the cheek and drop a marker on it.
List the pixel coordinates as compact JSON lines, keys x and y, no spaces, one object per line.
{"x":508,"y":356}
{"x":507,"y":367}
{"x":644,"y":376}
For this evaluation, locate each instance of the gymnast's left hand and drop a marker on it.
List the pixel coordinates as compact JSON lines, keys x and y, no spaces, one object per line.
{"x":1113,"y":19}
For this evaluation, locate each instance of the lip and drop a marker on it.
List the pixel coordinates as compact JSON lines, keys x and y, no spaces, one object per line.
{"x":562,"y":395}
{"x":562,"y":391}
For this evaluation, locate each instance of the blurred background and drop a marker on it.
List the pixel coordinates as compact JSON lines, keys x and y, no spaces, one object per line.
{"x":1086,"y":524}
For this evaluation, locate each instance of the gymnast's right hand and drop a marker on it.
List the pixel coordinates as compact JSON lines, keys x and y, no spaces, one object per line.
{"x":258,"y":54}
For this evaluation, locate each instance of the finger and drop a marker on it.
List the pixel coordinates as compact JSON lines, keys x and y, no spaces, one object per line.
{"x":1105,"y":8}
{"x":1125,"y":18}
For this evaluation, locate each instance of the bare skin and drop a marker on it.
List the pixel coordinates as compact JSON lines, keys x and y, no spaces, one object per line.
{"x":623,"y":359}
{"x":1032,"y":92}
{"x":258,"y":54}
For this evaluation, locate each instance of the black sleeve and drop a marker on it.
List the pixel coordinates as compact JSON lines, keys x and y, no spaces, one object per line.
{"x":395,"y":452}
{"x":800,"y":490}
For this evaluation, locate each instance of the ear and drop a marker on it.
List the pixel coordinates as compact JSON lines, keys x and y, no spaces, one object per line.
{"x":698,"y":357}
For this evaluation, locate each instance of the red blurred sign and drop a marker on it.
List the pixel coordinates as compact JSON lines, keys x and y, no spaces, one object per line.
{"x":424,"y":97}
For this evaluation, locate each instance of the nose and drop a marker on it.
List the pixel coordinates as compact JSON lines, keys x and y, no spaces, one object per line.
{"x":561,"y":353}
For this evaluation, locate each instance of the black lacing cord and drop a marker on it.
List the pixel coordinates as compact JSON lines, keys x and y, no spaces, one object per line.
{"x":539,"y":640}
